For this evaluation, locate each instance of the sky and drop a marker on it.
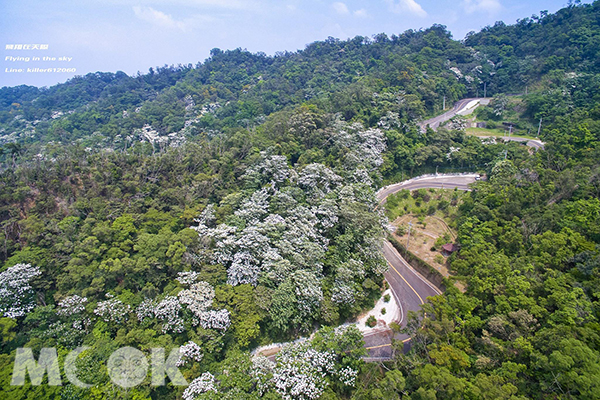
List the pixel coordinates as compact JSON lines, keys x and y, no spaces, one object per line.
{"x":75,"y":37}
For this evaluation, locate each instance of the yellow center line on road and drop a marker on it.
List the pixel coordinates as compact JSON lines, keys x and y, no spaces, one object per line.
{"x":378,"y":347}
{"x":409,"y":285}
{"x":386,"y":345}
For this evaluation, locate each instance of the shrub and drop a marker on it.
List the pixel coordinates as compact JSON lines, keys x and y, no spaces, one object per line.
{"x":371,"y":322}
{"x":401,"y":230}
{"x":443,"y":204}
{"x":383,"y":311}
{"x":386,"y":298}
{"x":439,"y":258}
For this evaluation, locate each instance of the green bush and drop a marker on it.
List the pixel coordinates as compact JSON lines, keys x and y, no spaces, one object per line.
{"x":383,"y":311}
{"x":371,"y":322}
{"x":443,"y":204}
{"x":386,"y":298}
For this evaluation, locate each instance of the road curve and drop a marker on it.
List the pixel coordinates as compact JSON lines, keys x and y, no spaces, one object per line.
{"x":462,"y":107}
{"x":409,"y":288}
{"x":467,"y":106}
{"x":535,"y":143}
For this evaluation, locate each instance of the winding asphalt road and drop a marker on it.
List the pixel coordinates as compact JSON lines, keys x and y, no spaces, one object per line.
{"x":461,"y":107}
{"x":410,"y":289}
{"x":466,"y":107}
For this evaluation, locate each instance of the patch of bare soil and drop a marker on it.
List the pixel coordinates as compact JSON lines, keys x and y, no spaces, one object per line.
{"x":422,"y":239}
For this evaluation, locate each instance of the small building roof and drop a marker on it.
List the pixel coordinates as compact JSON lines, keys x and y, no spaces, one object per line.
{"x":450,"y":247}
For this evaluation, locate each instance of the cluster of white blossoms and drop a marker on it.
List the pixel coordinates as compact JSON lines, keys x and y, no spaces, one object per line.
{"x":458,"y":123}
{"x":262,"y":373}
{"x":279,"y":232}
{"x":301,"y":371}
{"x":198,"y":299}
{"x":145,"y":310}
{"x":189,"y":351}
{"x":187,"y":278}
{"x":317,"y":180}
{"x":347,"y":376}
{"x":308,"y":291}
{"x":391,"y":120}
{"x":213,"y":319}
{"x":451,"y":151}
{"x":16,"y":293}
{"x":366,"y":145}
{"x":112,"y":310}
{"x":457,"y":72}
{"x":168,"y":311}
{"x":269,"y":240}
{"x":71,"y":305}
{"x":204,"y":383}
{"x":270,"y":169}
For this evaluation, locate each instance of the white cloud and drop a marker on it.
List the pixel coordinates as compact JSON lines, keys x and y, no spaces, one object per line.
{"x":409,"y":6}
{"x":340,"y":8}
{"x":489,"y":6}
{"x":158,"y":18}
{"x":362,"y":13}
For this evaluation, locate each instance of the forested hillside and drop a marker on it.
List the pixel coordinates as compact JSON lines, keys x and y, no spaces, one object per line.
{"x":230,"y":204}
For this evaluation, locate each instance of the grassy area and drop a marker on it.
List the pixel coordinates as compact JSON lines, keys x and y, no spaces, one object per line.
{"x":496,"y":132}
{"x":513,"y":113}
{"x":430,"y":212}
{"x":422,"y":202}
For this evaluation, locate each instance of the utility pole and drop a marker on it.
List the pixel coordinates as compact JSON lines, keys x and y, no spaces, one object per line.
{"x":436,"y":168}
{"x":484,"y":90}
{"x":408,"y":238}
{"x":444,"y":107}
{"x":509,"y":131}
{"x":539,"y":128}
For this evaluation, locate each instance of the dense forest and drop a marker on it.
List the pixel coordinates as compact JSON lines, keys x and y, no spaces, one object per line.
{"x":229,"y":205}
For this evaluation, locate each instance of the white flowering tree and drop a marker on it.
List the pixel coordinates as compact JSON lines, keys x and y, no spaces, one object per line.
{"x":280,"y":234}
{"x":189,"y":352}
{"x":363,"y":148}
{"x":112,"y":310}
{"x":306,"y":369}
{"x":301,"y":372}
{"x":270,"y":168}
{"x":203,"y":384}
{"x":199,"y":299}
{"x":168,"y":311}
{"x":71,"y":305}
{"x":318,"y":180}
{"x":17,"y":297}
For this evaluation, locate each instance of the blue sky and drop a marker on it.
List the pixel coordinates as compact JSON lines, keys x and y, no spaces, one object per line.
{"x":134,"y":35}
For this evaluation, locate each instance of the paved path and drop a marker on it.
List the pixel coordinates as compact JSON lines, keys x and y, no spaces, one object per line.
{"x":461,"y":107}
{"x":466,"y":107}
{"x":410,"y":289}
